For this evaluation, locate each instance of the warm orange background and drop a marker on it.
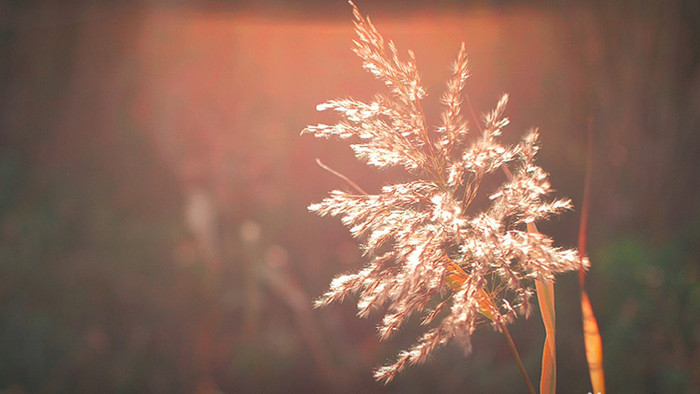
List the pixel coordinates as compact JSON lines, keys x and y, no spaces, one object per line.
{"x":153,"y":191}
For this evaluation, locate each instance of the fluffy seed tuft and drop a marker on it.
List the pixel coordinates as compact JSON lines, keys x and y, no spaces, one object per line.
{"x":423,"y":243}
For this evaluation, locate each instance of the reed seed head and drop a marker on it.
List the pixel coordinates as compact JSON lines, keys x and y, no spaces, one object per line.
{"x":427,"y":251}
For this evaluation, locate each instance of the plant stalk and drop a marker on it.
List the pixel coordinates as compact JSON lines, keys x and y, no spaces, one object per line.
{"x":514,"y":350}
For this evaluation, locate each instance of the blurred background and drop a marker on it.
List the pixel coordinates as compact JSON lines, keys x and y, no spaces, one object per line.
{"x":154,"y":235}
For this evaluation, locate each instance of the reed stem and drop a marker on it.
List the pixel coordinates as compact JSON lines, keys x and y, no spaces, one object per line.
{"x":514,"y":350}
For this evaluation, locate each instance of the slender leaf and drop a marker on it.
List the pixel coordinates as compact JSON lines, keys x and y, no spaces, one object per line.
{"x":591,"y":333}
{"x":545,"y":298}
{"x":594,"y":345}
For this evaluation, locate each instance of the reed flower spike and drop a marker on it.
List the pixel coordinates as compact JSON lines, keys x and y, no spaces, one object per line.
{"x":427,"y":251}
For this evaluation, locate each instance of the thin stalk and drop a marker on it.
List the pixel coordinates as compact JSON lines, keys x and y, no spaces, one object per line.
{"x":514,"y":350}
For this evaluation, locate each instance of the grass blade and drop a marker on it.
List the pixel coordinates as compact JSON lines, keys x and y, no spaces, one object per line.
{"x":591,"y":333}
{"x":545,"y":298}
{"x":594,"y":345}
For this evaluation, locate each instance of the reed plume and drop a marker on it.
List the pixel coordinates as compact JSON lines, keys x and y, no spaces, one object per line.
{"x":428,"y":250}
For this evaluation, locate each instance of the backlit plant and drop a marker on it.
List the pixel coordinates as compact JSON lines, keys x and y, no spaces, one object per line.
{"x":428,"y":250}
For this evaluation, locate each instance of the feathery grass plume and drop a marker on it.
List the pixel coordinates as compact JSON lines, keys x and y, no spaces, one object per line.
{"x":423,"y":243}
